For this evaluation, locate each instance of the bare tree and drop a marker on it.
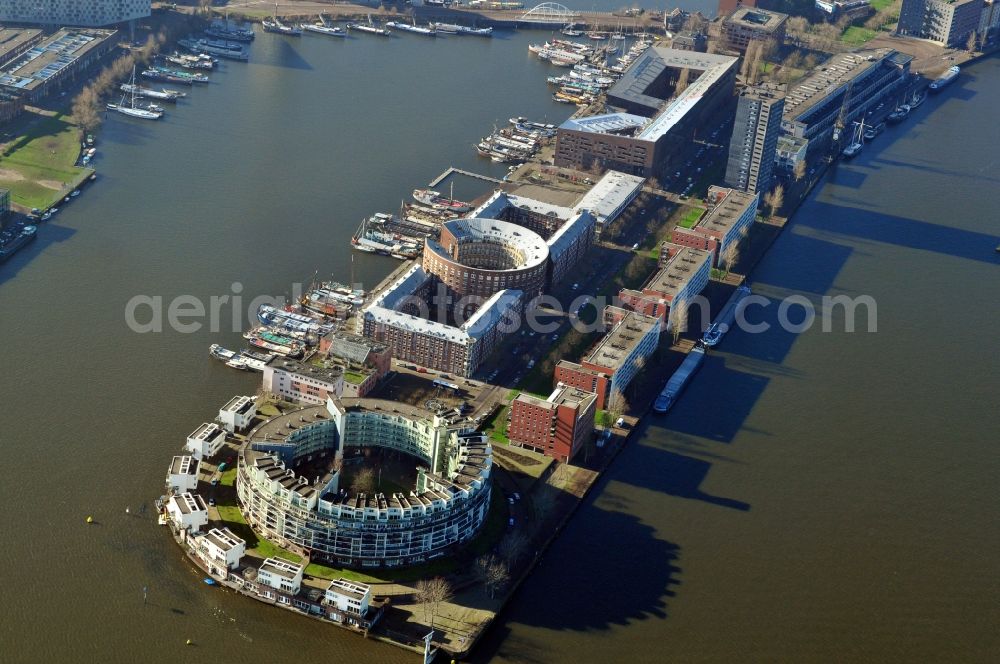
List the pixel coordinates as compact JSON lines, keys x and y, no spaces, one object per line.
{"x":364,"y":481}
{"x":431,"y":593}
{"x":493,"y":572}
{"x":799,"y":171}
{"x":775,"y":200}
{"x":970,"y":43}
{"x":679,"y":318}
{"x":512,"y":546}
{"x":543,"y":501}
{"x":682,"y":81}
{"x":731,"y":255}
{"x":85,"y":110}
{"x":616,"y":405}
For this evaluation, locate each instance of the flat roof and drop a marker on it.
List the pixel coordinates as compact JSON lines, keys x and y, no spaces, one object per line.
{"x":610,"y":193}
{"x":326,"y":374}
{"x":756,"y":18}
{"x":224,"y":539}
{"x":635,"y":82}
{"x":184,"y":465}
{"x":618,"y":344}
{"x":676,"y":274}
{"x":606,"y":123}
{"x":12,"y":39}
{"x":52,"y":56}
{"x":279,"y":427}
{"x":829,"y":78}
{"x":188,"y":503}
{"x":207,"y":430}
{"x":349,"y":588}
{"x":239,"y":405}
{"x":281,"y":567}
{"x":529,"y":243}
{"x":724,"y":214}
{"x":562,"y":395}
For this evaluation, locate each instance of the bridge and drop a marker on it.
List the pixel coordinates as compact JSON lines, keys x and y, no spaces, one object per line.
{"x":549,"y":13}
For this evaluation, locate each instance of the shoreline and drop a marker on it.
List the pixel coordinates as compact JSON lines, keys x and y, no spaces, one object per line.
{"x":607,"y":458}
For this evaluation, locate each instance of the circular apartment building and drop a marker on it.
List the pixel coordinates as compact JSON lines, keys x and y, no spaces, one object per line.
{"x":481,"y":257}
{"x":291,"y":466}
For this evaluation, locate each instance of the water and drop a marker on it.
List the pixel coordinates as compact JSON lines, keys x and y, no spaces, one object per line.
{"x":819,"y":496}
{"x":806,"y":489}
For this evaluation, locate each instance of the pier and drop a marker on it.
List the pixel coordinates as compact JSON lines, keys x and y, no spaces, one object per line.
{"x":458,"y":171}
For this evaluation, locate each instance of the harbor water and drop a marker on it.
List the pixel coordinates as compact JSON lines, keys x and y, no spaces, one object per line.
{"x":811,"y":496}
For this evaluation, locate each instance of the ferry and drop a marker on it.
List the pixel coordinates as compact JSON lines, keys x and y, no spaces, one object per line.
{"x":162,"y":95}
{"x":435,"y":199}
{"x":14,"y":239}
{"x":416,"y":29}
{"x":323,"y":29}
{"x":680,"y":378}
{"x":276,"y":26}
{"x":945,"y":79}
{"x":722,"y":324}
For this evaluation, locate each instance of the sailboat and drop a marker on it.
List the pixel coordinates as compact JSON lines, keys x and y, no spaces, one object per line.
{"x":131,"y":110}
{"x":857,"y":143}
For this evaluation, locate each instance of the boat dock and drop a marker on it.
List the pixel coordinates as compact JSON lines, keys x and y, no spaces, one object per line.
{"x":458,"y":171}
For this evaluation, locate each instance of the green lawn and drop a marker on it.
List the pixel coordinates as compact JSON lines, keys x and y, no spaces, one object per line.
{"x":354,"y":377}
{"x":879,"y":5}
{"x":689,"y":219}
{"x":228,"y":477}
{"x":857,"y":36}
{"x":39,"y":165}
{"x":496,"y":427}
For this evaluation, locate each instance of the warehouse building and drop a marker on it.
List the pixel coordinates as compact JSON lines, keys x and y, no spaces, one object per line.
{"x":654,"y":121}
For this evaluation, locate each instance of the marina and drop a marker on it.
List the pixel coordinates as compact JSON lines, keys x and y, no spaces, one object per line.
{"x":658,"y":502}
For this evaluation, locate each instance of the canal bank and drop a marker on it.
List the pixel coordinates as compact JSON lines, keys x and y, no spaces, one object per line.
{"x":174,"y":222}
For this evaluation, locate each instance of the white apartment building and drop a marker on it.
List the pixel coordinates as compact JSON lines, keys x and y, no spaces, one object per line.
{"x":205,"y":441}
{"x":220,"y":547}
{"x":182,"y":476}
{"x":346,"y":599}
{"x":238,"y":413}
{"x":188,"y":511}
{"x":281,"y":575}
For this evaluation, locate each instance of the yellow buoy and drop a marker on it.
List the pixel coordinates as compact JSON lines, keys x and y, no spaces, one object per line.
{"x":90,"y":519}
{"x":189,"y":642}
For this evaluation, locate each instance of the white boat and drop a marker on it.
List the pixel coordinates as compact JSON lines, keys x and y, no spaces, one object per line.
{"x":163,"y":94}
{"x":323,"y":29}
{"x":370,"y":28}
{"x":945,"y":79}
{"x":220,"y":353}
{"x":133,"y":111}
{"x":455,"y":29}
{"x":406,"y":27}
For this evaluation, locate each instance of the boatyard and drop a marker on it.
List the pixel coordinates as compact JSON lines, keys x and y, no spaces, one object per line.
{"x":324,"y":362}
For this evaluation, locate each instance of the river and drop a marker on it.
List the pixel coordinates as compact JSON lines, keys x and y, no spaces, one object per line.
{"x":811,"y":495}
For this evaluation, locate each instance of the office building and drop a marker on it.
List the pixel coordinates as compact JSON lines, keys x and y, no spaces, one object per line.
{"x":947,"y":22}
{"x":750,"y":24}
{"x":88,"y":13}
{"x":724,"y":223}
{"x":558,"y":426}
{"x":755,"y":139}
